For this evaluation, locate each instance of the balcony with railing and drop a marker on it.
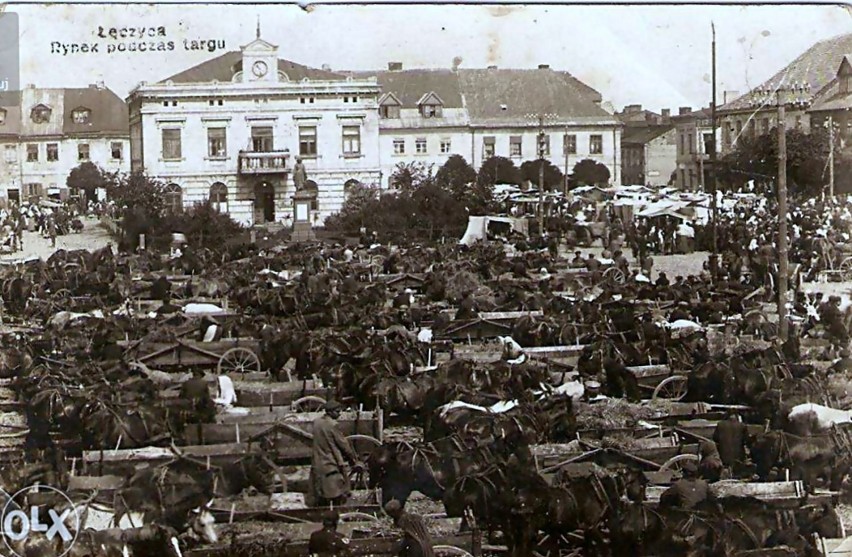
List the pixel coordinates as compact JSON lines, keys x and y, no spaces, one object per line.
{"x":268,"y":162}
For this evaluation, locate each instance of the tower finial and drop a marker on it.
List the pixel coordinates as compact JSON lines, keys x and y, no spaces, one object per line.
{"x":258,"y":27}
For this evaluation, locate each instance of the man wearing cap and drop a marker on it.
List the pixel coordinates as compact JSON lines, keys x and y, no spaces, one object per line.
{"x":329,"y":458}
{"x":416,"y":541}
{"x":196,"y":393}
{"x":328,"y":542}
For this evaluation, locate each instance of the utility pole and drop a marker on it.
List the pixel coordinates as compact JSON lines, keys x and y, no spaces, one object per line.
{"x":831,"y":156}
{"x":782,"y":221}
{"x":714,"y":258}
{"x":541,"y":142}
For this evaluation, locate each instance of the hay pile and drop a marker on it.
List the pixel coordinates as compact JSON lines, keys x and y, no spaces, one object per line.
{"x":463,"y":282}
{"x":617,"y":413}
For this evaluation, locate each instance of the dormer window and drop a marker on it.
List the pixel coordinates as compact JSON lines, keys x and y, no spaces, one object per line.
{"x":844,"y":76}
{"x":431,"y":106}
{"x":40,"y":114}
{"x":81,"y":115}
{"x":389,"y":106}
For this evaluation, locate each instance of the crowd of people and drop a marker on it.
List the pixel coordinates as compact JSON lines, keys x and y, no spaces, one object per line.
{"x":48,"y":220}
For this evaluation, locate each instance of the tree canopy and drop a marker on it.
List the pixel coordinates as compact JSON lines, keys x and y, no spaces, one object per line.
{"x":88,"y":177}
{"x":460,"y":179}
{"x":589,"y":172}
{"x":553,"y":177}
{"x":499,"y":170}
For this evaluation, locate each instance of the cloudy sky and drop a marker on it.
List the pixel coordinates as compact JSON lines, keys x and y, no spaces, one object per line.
{"x":658,"y":56}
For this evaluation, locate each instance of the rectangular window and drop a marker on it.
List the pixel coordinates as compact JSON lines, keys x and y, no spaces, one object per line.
{"x":261,"y":139}
{"x":446,"y":146}
{"x":116,"y":149}
{"x":798,"y":122}
{"x":52,"y":152}
{"x":420,"y":145}
{"x":515,"y":146}
{"x":545,"y":145}
{"x":726,"y":135}
{"x":32,"y":152}
{"x":488,"y":149}
{"x":596,"y":144}
{"x":708,"y":143}
{"x":11,"y":154}
{"x":739,"y":128}
{"x":83,"y":152}
{"x":217,"y":143}
{"x":691,"y":144}
{"x":171,"y":144}
{"x":431,"y":111}
{"x":764,"y":126}
{"x":398,"y":146}
{"x":351,"y":140}
{"x":308,"y":141}
{"x":389,"y":111}
{"x":569,"y":144}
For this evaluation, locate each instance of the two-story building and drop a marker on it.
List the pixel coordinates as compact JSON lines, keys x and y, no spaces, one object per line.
{"x":648,"y":155}
{"x":694,"y":131}
{"x":427,"y":115}
{"x":46,"y":133}
{"x":230,"y":130}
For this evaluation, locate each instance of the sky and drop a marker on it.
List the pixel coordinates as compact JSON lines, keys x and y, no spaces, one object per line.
{"x":657,"y":56}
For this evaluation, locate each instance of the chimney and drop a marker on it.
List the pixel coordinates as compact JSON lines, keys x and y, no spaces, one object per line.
{"x":394,"y":66}
{"x":666,"y":115}
{"x":492,"y":67}
{"x":728,"y":96}
{"x":326,"y":68}
{"x":633,"y":109}
{"x":544,"y":66}
{"x":684,"y":110}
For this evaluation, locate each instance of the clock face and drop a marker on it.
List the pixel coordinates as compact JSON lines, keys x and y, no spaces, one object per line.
{"x":259,"y":68}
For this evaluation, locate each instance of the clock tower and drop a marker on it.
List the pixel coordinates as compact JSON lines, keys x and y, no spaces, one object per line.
{"x":260,"y":61}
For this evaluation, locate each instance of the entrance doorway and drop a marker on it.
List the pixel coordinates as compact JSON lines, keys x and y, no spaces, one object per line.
{"x":264,"y":203}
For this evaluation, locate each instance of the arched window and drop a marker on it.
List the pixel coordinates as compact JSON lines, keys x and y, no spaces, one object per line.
{"x":219,"y":197}
{"x":174,"y":198}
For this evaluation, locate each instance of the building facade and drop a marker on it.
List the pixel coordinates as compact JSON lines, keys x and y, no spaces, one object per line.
{"x":46,"y":133}
{"x":695,"y":142}
{"x":649,"y":155}
{"x":428,"y":115}
{"x":230,"y":130}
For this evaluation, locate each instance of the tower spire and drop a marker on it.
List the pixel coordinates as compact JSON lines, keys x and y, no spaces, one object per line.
{"x":258,"y":27}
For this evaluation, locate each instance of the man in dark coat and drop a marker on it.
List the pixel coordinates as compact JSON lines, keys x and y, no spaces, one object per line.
{"x":161,"y":288}
{"x":328,"y":542}
{"x":330,"y":455}
{"x":467,"y":308}
{"x":730,"y":437}
{"x":844,"y":364}
{"x":196,"y":393}
{"x":416,"y":541}
{"x":689,"y":492}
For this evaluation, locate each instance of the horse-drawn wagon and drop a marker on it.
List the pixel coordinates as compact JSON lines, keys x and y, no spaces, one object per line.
{"x":226,"y":356}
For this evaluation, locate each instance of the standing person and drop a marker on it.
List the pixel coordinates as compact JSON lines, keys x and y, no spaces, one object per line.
{"x":730,"y":438}
{"x":416,"y":541}
{"x":196,"y":393}
{"x":328,"y":542}
{"x":331,"y":451}
{"x":51,"y":231}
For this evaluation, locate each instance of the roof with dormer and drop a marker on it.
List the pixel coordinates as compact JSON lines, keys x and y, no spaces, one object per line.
{"x":830,"y":98}
{"x":108,"y":116}
{"x":816,"y":67}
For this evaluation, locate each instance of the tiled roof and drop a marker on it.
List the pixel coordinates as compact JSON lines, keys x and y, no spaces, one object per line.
{"x":109,"y":113}
{"x":641,"y":136}
{"x":222,"y":68}
{"x":817,"y":66}
{"x":409,"y":86}
{"x":832,"y":99}
{"x":495,"y":97}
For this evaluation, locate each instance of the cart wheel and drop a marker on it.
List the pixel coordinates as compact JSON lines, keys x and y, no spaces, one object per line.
{"x":363,"y":444}
{"x":846,"y":266}
{"x":671,"y":388}
{"x":308,"y":404}
{"x":62,"y":294}
{"x":615,"y":275}
{"x":238,"y":360}
{"x":676,"y":462}
{"x":357,"y":516}
{"x":450,"y":550}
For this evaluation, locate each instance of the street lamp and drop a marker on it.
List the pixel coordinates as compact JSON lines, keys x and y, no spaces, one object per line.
{"x":797,"y":96}
{"x":542,"y":149}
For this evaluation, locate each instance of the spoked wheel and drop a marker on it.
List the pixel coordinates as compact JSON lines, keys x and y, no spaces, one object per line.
{"x":238,"y":360}
{"x":671,"y":388}
{"x":449,"y":551}
{"x":677,"y":462}
{"x":357,"y":516}
{"x":615,"y":275}
{"x":363,"y":444}
{"x":308,"y":404}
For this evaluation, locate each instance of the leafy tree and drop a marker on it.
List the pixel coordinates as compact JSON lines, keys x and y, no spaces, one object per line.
{"x":553,"y":177}
{"x":202,"y":224}
{"x":360,"y":203}
{"x":87,"y":178}
{"x":499,"y":170}
{"x":756,"y":158}
{"x":407,"y":176}
{"x":590,"y":172}
{"x":460,"y":179}
{"x":141,"y":204}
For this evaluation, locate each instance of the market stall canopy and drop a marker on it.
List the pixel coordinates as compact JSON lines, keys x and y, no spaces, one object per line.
{"x":667,"y":208}
{"x":477,"y":228}
{"x":49,"y":203}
